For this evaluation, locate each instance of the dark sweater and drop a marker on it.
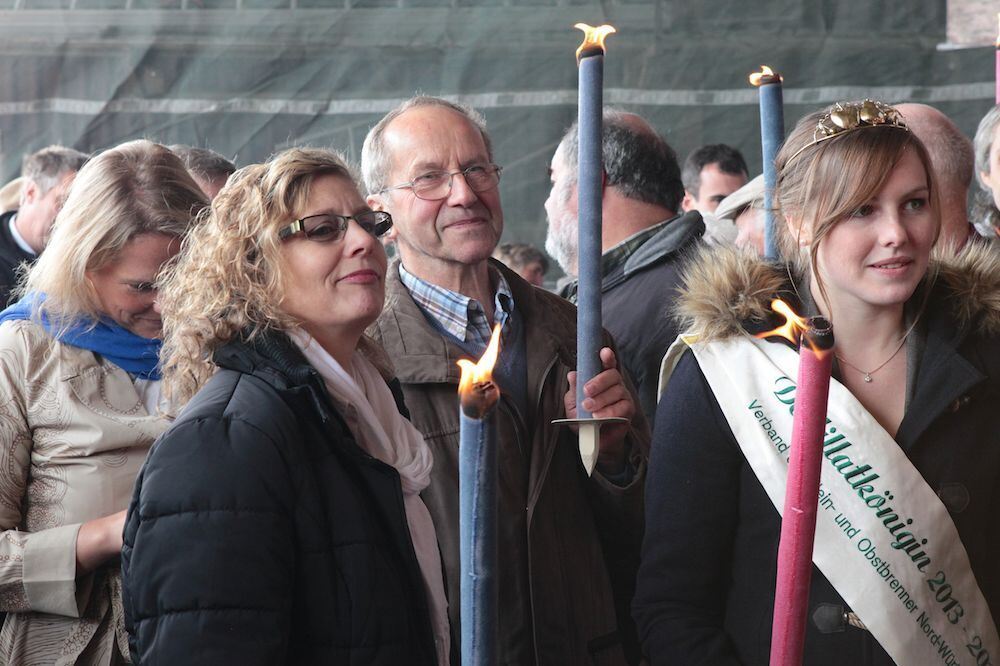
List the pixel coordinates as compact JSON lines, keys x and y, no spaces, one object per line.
{"x":11,"y":257}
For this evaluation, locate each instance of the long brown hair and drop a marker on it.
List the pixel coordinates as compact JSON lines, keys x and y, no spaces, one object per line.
{"x":820,"y":185}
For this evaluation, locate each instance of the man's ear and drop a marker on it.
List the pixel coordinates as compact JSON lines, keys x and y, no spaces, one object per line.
{"x":29,"y":192}
{"x":374,"y":202}
{"x":687,"y":203}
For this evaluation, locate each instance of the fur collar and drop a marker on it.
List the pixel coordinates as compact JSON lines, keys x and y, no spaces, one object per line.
{"x":726,"y":290}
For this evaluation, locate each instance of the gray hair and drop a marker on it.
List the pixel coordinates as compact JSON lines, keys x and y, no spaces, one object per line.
{"x":47,"y":167}
{"x":984,"y":209}
{"x":984,"y":140}
{"x":204,"y":163}
{"x":638,"y":161}
{"x":375,"y":160}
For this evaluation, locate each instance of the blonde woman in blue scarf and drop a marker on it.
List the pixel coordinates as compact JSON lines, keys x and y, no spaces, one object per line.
{"x":79,"y":397}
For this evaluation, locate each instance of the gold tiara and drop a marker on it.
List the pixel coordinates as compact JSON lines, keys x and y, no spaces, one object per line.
{"x":846,"y":117}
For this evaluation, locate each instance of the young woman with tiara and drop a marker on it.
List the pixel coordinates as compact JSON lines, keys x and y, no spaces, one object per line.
{"x":906,"y":550}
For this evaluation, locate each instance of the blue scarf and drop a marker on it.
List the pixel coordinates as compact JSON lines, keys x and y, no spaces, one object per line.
{"x":130,"y":352}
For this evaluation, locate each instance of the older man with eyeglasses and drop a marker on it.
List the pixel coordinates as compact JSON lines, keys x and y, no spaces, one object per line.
{"x":568,"y":543}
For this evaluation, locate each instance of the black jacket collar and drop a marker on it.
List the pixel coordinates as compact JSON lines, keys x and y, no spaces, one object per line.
{"x":273,"y":358}
{"x":276,"y":360}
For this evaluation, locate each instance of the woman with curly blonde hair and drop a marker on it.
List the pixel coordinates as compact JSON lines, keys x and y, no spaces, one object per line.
{"x":279,"y":519}
{"x":79,"y":404}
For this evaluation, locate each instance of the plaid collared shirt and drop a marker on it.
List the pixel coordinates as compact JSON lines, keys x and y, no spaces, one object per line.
{"x":460,"y":315}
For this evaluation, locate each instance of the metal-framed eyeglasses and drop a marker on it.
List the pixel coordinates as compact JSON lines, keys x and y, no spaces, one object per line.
{"x":436,"y":185}
{"x":327,"y":227}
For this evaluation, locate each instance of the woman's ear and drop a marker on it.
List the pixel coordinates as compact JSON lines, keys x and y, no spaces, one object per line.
{"x":800,"y":234}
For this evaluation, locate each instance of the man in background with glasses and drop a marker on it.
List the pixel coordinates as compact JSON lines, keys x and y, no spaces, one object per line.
{"x":568,"y":543}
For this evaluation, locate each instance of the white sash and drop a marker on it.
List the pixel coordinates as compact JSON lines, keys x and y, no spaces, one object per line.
{"x":883,"y":538}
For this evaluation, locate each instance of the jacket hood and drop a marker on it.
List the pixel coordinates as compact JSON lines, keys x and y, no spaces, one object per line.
{"x":726,"y":291}
{"x":270,"y":356}
{"x":273,"y":358}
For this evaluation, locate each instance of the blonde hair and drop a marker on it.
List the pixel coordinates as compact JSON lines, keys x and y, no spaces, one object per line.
{"x":227,"y":280}
{"x":135,"y":188}
{"x":820,"y":185}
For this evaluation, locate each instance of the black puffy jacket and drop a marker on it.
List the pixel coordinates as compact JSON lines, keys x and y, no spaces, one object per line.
{"x":260,"y":533}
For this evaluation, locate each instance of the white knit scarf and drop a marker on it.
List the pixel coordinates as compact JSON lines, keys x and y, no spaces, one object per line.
{"x":386,"y":435}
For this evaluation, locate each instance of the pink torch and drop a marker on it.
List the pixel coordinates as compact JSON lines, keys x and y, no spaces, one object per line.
{"x":798,"y":523}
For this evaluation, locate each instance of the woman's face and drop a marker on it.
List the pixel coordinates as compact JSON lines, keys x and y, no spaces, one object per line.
{"x":336,"y":288}
{"x":125,"y":288}
{"x":992,"y":177}
{"x":877,"y":256}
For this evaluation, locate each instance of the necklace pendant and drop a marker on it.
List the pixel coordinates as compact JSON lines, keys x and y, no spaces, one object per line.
{"x":868,"y":378}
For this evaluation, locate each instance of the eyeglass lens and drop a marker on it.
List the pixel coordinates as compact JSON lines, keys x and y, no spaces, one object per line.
{"x":329,"y":227}
{"x":437,"y":184}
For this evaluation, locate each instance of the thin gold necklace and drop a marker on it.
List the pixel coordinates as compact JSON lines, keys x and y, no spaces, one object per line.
{"x":868,"y":374}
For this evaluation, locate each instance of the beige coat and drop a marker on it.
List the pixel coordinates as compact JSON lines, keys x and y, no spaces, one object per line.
{"x":73,"y":435}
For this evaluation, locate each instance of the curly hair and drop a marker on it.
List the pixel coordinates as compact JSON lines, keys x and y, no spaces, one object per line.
{"x":227,"y":280}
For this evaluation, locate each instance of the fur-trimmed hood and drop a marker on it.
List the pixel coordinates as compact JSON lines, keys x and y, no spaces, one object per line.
{"x":726,"y":291}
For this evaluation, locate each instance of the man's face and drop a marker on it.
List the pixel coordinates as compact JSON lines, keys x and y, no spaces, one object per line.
{"x":462,"y":228}
{"x":561,"y":210}
{"x":750,"y":226}
{"x":715,"y":186}
{"x":533,"y":273}
{"x":40,"y":210}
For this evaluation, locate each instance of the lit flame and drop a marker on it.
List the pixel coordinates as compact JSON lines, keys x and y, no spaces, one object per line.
{"x":756,"y":77}
{"x":481,"y":372}
{"x":794,"y":325}
{"x":593,"y":36}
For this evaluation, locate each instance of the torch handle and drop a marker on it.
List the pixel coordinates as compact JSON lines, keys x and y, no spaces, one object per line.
{"x":772,"y":134}
{"x":477,"y":526}
{"x":590,"y":186}
{"x":798,"y":520}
